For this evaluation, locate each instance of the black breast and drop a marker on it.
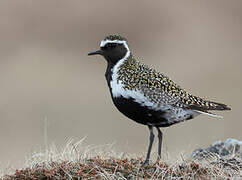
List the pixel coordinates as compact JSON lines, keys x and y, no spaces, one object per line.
{"x":140,"y":114}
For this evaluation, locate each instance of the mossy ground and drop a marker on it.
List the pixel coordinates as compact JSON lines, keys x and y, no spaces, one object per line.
{"x":76,"y":162}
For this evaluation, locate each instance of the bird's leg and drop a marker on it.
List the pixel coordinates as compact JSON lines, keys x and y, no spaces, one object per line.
{"x":159,"y":142}
{"x":150,"y":144}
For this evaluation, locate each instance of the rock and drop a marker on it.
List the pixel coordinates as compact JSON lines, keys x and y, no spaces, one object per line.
{"x":226,"y":148}
{"x":227,"y":154}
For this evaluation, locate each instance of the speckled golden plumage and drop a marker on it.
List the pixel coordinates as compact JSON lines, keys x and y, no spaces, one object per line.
{"x":158,"y":88}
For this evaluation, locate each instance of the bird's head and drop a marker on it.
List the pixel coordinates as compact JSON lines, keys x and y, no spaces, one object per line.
{"x":113,"y":48}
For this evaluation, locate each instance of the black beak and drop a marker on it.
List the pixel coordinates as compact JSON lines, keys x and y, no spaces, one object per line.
{"x":95,"y":53}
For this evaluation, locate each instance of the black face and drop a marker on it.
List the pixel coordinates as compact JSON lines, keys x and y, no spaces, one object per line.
{"x":112,"y":52}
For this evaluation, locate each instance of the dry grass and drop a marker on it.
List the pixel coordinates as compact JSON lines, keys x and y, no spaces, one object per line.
{"x":76,"y":161}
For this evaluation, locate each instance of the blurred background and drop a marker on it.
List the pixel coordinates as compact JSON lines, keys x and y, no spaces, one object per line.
{"x":45,"y":72}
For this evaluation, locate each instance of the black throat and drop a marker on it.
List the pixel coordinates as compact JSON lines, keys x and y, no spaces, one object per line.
{"x":109,"y":73}
{"x":113,"y":53}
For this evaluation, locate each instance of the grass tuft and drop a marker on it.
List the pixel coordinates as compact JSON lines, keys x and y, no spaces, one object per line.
{"x":76,"y":161}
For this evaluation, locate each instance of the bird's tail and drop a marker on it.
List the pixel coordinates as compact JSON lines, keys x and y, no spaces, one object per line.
{"x":210,"y":106}
{"x":204,"y":105}
{"x":217,"y":106}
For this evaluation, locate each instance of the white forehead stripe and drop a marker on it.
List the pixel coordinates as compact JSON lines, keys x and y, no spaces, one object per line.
{"x":104,"y":42}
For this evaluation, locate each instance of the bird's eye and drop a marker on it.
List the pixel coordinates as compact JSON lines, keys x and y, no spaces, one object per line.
{"x":103,"y":47}
{"x":111,"y":45}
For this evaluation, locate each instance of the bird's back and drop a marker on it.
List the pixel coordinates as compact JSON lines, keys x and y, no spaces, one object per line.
{"x":153,"y":90}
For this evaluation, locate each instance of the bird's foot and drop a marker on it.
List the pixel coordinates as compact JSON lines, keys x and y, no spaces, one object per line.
{"x":146,"y":162}
{"x":158,"y":160}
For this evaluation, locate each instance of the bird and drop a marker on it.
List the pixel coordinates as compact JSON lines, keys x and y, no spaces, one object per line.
{"x":145,"y":95}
